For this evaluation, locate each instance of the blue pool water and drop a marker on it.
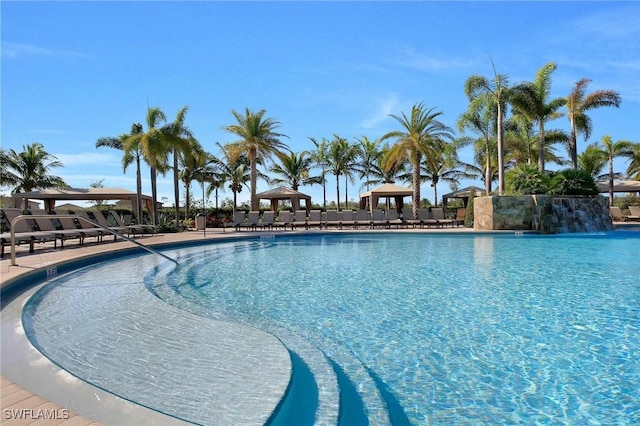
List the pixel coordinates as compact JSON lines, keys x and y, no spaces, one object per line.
{"x":455,"y":329}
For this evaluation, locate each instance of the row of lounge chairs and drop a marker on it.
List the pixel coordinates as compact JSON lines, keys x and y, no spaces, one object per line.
{"x":61,"y":227}
{"x":617,"y":216}
{"x":253,"y":220}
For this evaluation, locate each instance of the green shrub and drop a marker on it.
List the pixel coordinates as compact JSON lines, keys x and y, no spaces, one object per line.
{"x":526,"y":179}
{"x":468,"y":216}
{"x":573,"y":182}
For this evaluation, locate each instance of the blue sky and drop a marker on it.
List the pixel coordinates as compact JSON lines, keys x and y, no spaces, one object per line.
{"x":73,"y":72}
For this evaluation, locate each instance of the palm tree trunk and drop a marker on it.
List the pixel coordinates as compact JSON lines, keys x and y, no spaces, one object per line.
{"x":138,"y":191}
{"x":346,"y":192}
{"x":611,"y":180}
{"x":187,"y":197}
{"x":338,"y":189}
{"x":154,"y":196}
{"x":573,"y":142}
{"x":415,"y":178}
{"x":324,"y":189}
{"x":487,"y":171}
{"x":176,"y":186}
{"x":254,"y":179}
{"x":541,"y":148}
{"x":500,"y":151}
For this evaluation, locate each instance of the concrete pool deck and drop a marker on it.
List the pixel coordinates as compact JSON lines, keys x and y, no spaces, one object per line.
{"x":18,"y":390}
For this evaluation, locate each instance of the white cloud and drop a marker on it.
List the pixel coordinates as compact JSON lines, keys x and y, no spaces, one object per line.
{"x":409,"y":57}
{"x":383,"y":107}
{"x":15,"y":50}
{"x":90,"y":158}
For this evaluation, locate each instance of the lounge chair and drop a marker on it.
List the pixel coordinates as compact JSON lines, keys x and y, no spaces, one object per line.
{"x":363,"y":218}
{"x":427,"y":219}
{"x":252,"y":220}
{"x":332,"y":219}
{"x":299,"y":219}
{"x":87,"y":229}
{"x":347,"y":218}
{"x":267,"y":220}
{"x":238,"y":219}
{"x":378,"y":218}
{"x":634,"y":213}
{"x":438,"y":214}
{"x":393,"y":218}
{"x":24,"y":232}
{"x":407,"y":217}
{"x":134,"y":229}
{"x":64,"y":228}
{"x":102,"y":221}
{"x":315,"y":219}
{"x":283,"y":220}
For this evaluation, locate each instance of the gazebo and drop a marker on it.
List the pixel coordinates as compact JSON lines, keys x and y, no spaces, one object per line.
{"x":463,"y":194}
{"x":284,"y":193}
{"x":630,"y":186}
{"x":388,"y":191}
{"x":51,"y":195}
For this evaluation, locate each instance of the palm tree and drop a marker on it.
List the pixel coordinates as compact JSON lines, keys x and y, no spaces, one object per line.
{"x":421,"y":135}
{"x":633,"y":171}
{"x":29,"y":170}
{"x":521,"y":141}
{"x":232,"y":170}
{"x":482,"y":90}
{"x":444,"y":167}
{"x":480,"y":119}
{"x":378,"y":175}
{"x":577,"y":105}
{"x":258,"y":139}
{"x":131,"y":154}
{"x":369,"y":156}
{"x":294,"y":170}
{"x":613,"y":150}
{"x":340,"y":161}
{"x":193,"y":160}
{"x":532,"y":101}
{"x":177,"y":139}
{"x":320,"y":157}
{"x":593,"y":160}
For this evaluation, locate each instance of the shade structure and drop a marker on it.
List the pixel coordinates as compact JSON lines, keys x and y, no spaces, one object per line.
{"x":463,"y":194}
{"x":283,"y":193}
{"x":631,"y":186}
{"x":371,"y":198}
{"x":51,"y":195}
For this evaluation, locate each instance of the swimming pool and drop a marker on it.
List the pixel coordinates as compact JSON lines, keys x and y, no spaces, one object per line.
{"x":420,"y":328}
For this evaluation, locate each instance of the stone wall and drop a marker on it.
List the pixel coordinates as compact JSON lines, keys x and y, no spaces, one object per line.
{"x":544,"y":213}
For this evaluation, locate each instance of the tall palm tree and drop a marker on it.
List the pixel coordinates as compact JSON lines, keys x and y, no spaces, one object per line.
{"x":258,"y":139}
{"x":193,"y":160}
{"x":177,"y":139}
{"x":444,"y":167}
{"x":613,"y":150}
{"x":233,"y":170}
{"x":294,"y":170}
{"x":368,"y":157}
{"x":131,"y":154}
{"x":340,"y":161}
{"x":422,"y":134}
{"x":320,"y":156}
{"x":578,"y":103}
{"x":481,"y":89}
{"x":29,"y":170}
{"x":532,"y":101}
{"x":480,"y":119}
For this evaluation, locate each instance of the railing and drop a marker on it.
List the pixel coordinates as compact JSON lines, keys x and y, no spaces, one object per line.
{"x":81,"y":218}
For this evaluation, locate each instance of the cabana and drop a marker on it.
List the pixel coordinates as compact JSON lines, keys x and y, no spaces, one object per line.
{"x":463,"y":194}
{"x":369,"y":200}
{"x":51,"y":195}
{"x":630,"y":186}
{"x":284,"y":193}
